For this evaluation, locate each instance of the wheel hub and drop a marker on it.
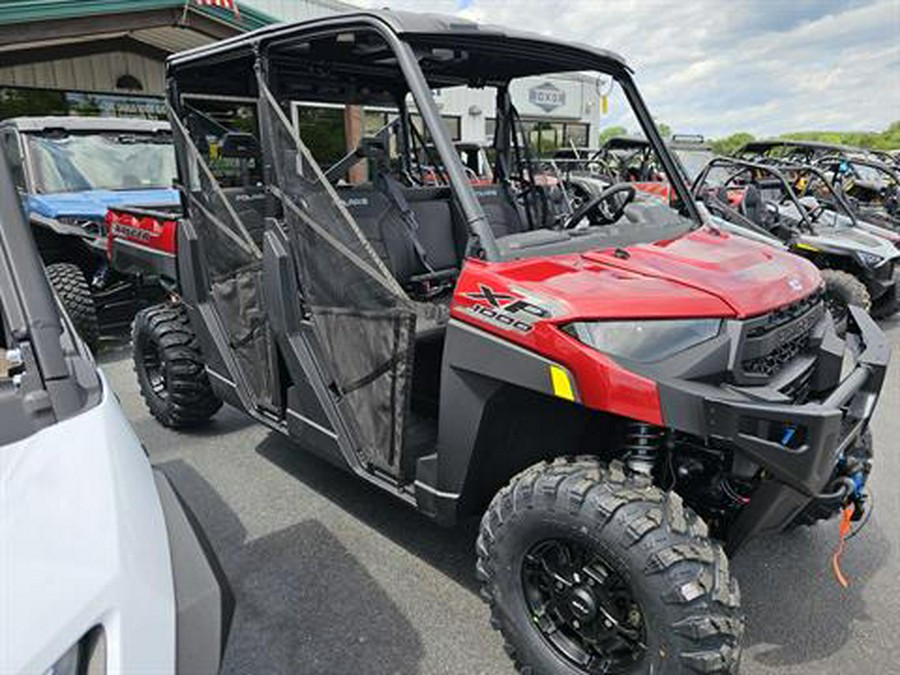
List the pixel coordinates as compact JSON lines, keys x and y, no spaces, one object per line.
{"x":582,"y":608}
{"x":583,"y":605}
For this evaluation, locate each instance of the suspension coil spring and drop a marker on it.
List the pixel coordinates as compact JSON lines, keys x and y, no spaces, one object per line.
{"x":642,"y":444}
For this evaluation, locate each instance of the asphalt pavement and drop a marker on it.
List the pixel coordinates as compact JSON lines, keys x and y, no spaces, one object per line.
{"x":333,"y":577}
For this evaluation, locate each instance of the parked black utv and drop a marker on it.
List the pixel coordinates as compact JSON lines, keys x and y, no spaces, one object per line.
{"x":870,"y":179}
{"x":797,"y":206}
{"x":621,"y":393}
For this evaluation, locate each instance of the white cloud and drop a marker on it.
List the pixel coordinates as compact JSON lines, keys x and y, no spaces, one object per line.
{"x":714,"y":67}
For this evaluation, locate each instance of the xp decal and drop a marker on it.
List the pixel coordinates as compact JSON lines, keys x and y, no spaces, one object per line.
{"x":505,"y":310}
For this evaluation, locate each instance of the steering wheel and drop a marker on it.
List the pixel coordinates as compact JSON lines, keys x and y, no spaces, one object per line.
{"x":598,"y":215}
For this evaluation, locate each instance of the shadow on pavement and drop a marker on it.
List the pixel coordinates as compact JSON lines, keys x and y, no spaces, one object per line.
{"x":226,"y":421}
{"x":451,"y":550}
{"x":786,"y":581}
{"x":304,"y":605}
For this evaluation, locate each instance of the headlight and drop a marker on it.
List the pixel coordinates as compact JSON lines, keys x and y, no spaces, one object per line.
{"x":869,"y":259}
{"x":86,"y":657}
{"x":645,"y":341}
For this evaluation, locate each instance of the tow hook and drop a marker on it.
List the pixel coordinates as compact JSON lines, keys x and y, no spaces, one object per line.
{"x":854,"y":509}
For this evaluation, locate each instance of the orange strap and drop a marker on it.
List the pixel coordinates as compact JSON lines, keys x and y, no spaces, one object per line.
{"x":836,"y":558}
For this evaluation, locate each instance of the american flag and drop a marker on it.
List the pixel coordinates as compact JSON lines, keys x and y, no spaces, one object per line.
{"x":224,"y":4}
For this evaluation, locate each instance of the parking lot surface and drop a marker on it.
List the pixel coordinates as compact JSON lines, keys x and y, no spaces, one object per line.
{"x":334,"y":577}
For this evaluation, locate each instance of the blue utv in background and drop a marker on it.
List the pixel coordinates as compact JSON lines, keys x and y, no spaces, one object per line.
{"x":69,"y":171}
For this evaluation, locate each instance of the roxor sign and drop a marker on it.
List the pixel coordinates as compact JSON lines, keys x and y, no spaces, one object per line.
{"x":547,"y":97}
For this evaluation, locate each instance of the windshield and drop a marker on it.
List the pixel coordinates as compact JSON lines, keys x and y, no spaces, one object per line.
{"x":104,"y":161}
{"x":693,"y":160}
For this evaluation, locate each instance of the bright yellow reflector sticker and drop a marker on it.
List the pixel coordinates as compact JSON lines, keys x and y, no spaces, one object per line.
{"x":562,"y":386}
{"x":806,"y":247}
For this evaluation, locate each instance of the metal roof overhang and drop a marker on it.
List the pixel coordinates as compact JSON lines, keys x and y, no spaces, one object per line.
{"x":51,"y":29}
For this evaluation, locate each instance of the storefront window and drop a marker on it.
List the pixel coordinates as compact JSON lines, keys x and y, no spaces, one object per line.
{"x":576,"y":134}
{"x":452,"y":122}
{"x":18,"y":101}
{"x":490,"y":128}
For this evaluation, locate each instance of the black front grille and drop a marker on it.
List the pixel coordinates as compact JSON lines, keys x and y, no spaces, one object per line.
{"x":785,"y":315}
{"x":773,"y":341}
{"x":772,"y":363}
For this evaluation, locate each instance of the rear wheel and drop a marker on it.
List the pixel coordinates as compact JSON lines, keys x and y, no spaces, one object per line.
{"x":170,"y":369}
{"x":75,"y":295}
{"x":590,"y":570}
{"x":842,"y":290}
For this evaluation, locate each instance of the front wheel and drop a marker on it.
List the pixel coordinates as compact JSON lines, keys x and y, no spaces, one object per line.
{"x":170,"y":369}
{"x":590,"y":570}
{"x":842,"y":290}
{"x":75,"y":295}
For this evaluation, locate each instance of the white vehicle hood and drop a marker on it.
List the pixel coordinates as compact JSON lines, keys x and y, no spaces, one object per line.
{"x":84,"y":543}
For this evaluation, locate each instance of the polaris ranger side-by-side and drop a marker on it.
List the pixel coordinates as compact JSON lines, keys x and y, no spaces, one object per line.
{"x":617,"y":391}
{"x":69,"y":170}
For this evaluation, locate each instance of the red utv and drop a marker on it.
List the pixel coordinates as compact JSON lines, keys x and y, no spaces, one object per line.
{"x":618,"y":392}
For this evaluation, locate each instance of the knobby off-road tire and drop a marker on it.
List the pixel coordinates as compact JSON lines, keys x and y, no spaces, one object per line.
{"x":170,"y":369}
{"x":687,"y":605}
{"x":842,"y":289}
{"x":75,"y":295}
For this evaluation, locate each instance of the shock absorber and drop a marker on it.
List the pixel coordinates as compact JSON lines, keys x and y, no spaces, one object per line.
{"x":642,"y":444}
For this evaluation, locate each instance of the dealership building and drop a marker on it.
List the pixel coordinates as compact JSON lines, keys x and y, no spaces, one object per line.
{"x":107,"y":57}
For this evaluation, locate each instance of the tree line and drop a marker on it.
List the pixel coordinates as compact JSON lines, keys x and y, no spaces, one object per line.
{"x":889,"y":139}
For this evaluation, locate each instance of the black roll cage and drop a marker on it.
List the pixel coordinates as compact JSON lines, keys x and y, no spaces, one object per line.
{"x":876,"y":164}
{"x":746,"y":166}
{"x":400,"y":31}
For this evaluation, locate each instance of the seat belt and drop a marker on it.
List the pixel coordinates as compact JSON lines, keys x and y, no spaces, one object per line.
{"x":395,"y":193}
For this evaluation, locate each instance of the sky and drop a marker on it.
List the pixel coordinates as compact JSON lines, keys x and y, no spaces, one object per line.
{"x":720,"y":66}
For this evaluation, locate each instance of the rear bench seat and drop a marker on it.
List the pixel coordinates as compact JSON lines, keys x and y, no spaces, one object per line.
{"x":382,"y":223}
{"x":442,"y":231}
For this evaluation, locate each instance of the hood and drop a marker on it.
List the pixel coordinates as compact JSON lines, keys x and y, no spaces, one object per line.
{"x":80,"y":511}
{"x":93,"y":204}
{"x":699,"y":275}
{"x":843,"y":240}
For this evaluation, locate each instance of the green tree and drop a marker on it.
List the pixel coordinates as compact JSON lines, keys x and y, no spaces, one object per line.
{"x":609,"y":132}
{"x":730,"y":144}
{"x":18,"y":102}
{"x":664,"y":130}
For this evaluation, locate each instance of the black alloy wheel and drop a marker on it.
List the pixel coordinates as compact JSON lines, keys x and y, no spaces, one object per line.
{"x":582,"y":607}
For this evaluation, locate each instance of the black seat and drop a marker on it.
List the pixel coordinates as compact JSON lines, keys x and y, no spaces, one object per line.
{"x":752,"y":205}
{"x":502,"y":216}
{"x":252,"y":205}
{"x":381,"y":221}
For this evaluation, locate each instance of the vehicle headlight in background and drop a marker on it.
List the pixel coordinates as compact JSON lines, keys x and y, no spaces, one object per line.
{"x":86,"y":657}
{"x":645,"y":341}
{"x":869,"y":259}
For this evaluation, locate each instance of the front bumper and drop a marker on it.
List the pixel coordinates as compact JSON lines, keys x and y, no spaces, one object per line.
{"x":204,"y":602}
{"x":798,"y":445}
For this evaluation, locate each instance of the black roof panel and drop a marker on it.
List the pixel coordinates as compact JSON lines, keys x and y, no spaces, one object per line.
{"x":408,"y":25}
